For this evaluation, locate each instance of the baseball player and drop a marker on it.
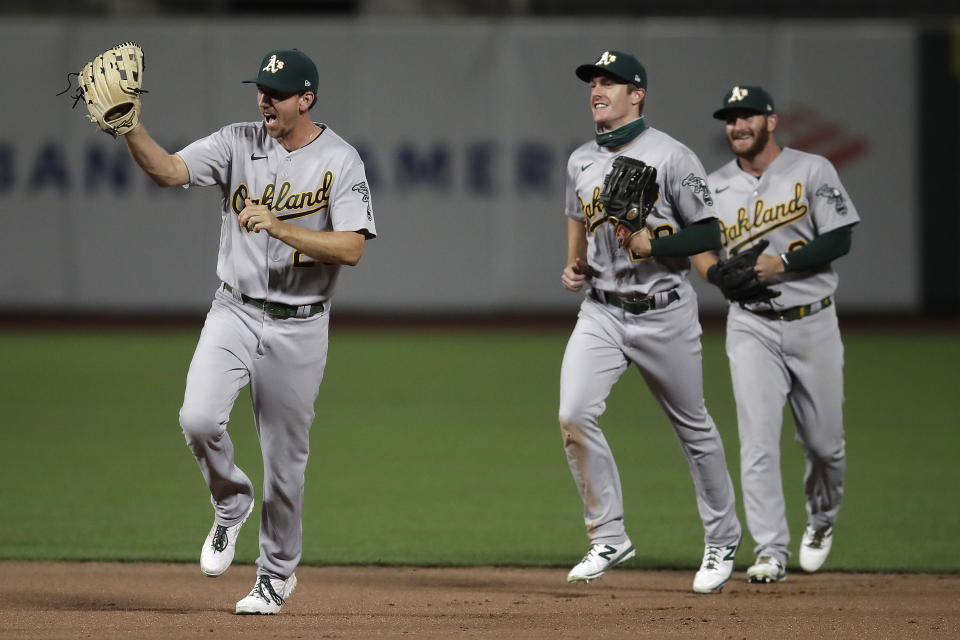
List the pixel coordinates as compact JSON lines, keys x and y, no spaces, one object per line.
{"x":788,"y":347}
{"x":295,"y":208}
{"x":640,"y":309}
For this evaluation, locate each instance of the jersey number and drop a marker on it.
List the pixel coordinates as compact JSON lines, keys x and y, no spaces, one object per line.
{"x":658,"y":232}
{"x":303,"y":261}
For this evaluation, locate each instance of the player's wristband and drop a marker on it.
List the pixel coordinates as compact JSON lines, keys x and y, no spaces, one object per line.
{"x":786,"y":263}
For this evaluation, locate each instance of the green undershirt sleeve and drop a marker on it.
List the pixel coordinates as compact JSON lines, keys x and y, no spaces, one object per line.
{"x":703,"y":235}
{"x":819,"y":251}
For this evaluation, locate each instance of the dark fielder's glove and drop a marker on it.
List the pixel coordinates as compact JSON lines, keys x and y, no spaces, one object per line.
{"x":737,"y":277}
{"x":629,"y":192}
{"x":110,"y":88}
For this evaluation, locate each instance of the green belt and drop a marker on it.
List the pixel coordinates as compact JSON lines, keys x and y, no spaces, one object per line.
{"x":277,"y":309}
{"x":794,"y":313}
{"x":633,"y":306}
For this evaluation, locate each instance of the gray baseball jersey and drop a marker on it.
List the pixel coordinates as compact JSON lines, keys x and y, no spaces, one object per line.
{"x":662,"y":342}
{"x":773,"y":361}
{"x":321,"y":186}
{"x":796,"y":199}
{"x":684,"y":199}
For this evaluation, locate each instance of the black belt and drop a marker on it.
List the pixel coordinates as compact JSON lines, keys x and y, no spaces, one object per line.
{"x":794,"y":313}
{"x":641,"y":305}
{"x":278,"y":309}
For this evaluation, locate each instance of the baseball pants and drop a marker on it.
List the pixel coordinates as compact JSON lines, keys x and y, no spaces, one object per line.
{"x":664,"y":344}
{"x":283,"y":361}
{"x":771,"y":362}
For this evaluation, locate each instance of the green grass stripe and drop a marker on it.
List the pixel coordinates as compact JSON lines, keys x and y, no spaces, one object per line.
{"x":441,"y":447}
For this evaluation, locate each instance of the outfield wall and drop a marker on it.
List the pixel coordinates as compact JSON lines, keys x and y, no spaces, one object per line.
{"x":464,"y":126}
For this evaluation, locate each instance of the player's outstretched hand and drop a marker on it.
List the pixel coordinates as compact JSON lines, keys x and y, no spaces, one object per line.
{"x":258,"y":217}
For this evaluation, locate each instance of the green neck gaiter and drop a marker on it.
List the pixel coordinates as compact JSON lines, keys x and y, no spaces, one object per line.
{"x":625,"y":134}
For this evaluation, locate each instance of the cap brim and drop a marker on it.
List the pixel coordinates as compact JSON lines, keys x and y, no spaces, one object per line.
{"x":267,"y":83}
{"x":721,"y":114}
{"x":586,"y":72}
{"x":276,"y":86}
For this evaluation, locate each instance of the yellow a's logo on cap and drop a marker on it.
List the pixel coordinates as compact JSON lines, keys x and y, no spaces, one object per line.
{"x":606,"y":58}
{"x":274,"y":65}
{"x":737,"y":94}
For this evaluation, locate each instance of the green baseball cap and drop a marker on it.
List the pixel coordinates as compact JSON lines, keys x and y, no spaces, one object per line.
{"x":618,"y":64}
{"x":287,"y":71}
{"x":746,"y":97}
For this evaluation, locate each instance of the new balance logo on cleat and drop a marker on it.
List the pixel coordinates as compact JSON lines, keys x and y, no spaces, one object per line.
{"x":599,"y":558}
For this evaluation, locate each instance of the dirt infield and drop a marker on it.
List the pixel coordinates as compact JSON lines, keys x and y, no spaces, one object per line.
{"x":105,"y":600}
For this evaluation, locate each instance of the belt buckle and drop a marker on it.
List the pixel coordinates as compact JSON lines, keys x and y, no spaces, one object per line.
{"x":634,"y":297}
{"x":273,"y":309}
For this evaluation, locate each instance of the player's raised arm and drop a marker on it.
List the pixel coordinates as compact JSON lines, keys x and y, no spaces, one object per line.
{"x":166,"y":169}
{"x":110,"y":88}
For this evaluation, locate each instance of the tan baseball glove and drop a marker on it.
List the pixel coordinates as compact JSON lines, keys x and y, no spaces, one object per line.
{"x":110,"y":87}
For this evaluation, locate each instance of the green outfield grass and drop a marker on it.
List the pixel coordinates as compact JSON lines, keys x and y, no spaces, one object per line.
{"x":442,"y":448}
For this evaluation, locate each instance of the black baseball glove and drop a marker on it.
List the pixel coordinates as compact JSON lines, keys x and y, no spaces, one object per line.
{"x":737,"y":277}
{"x":629,"y":192}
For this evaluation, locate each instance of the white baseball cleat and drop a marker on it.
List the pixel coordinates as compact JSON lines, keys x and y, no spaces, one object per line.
{"x":267,"y":596}
{"x":599,"y":558}
{"x":766,"y":569}
{"x":220,"y":545}
{"x":716,"y":568}
{"x":815,"y":547}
